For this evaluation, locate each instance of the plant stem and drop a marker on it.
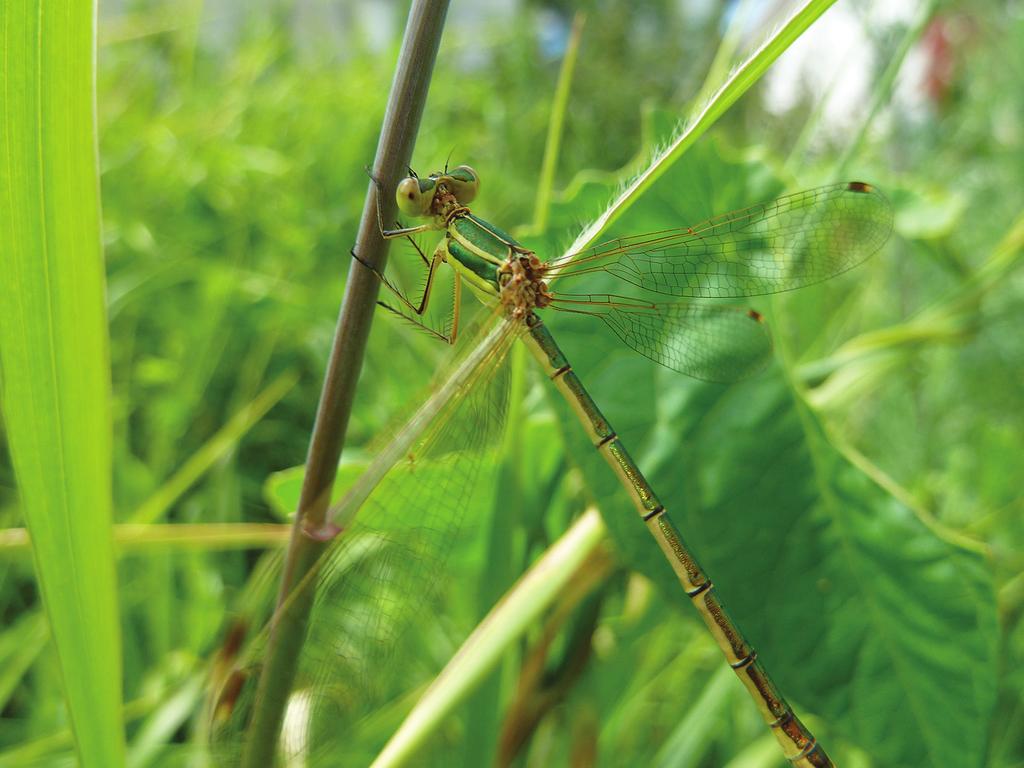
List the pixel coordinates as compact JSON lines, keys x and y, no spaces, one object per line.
{"x":555,"y":125}
{"x":394,"y":151}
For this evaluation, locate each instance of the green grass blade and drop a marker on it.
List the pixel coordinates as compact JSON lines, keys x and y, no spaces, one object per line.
{"x":159,"y":727}
{"x":692,"y":738}
{"x":20,"y":645}
{"x":509,"y":619}
{"x":54,"y":351}
{"x":133,"y":539}
{"x":226,"y":439}
{"x":742,"y":78}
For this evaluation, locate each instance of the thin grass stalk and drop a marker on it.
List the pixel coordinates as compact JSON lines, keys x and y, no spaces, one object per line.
{"x":508,"y":620}
{"x":133,"y":539}
{"x":394,"y":151}
{"x":212,"y":451}
{"x":556,"y":124}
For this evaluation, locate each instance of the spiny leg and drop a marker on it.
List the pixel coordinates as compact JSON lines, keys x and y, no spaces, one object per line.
{"x":417,"y":323}
{"x":424,"y":300}
{"x":420,"y":308}
{"x":391,"y":234}
{"x":431,"y":264}
{"x":448,"y":338}
{"x":456,"y":307}
{"x":383,"y":279}
{"x":415,"y":245}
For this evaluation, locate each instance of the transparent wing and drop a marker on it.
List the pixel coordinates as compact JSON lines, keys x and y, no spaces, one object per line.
{"x":380,"y":577}
{"x":794,"y":241}
{"x":705,"y":341}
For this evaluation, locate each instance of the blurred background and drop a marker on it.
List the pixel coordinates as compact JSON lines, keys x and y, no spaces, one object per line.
{"x":233,"y":138}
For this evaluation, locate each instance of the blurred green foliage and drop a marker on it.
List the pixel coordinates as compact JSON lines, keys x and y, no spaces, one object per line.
{"x":233,"y":142}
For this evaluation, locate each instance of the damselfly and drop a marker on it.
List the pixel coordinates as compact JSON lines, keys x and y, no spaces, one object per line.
{"x":792,"y":242}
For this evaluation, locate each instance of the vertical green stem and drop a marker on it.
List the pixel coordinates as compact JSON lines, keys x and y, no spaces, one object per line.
{"x":555,"y":124}
{"x":394,"y":150}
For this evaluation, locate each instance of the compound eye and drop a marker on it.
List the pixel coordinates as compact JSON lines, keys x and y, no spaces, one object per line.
{"x":464,"y":183}
{"x":412,"y":199}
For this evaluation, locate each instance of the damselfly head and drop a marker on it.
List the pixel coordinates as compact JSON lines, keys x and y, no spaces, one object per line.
{"x":437,"y":194}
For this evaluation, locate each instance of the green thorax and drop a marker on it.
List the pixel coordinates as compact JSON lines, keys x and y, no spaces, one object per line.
{"x":479,"y":248}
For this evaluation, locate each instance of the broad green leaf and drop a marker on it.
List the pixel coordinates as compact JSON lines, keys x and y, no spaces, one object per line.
{"x":856,"y":606}
{"x":54,"y":351}
{"x":20,"y":645}
{"x":282,"y":489}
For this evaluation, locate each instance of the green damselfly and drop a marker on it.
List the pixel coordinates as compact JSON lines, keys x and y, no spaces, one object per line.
{"x":794,"y":241}
{"x":415,"y":504}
